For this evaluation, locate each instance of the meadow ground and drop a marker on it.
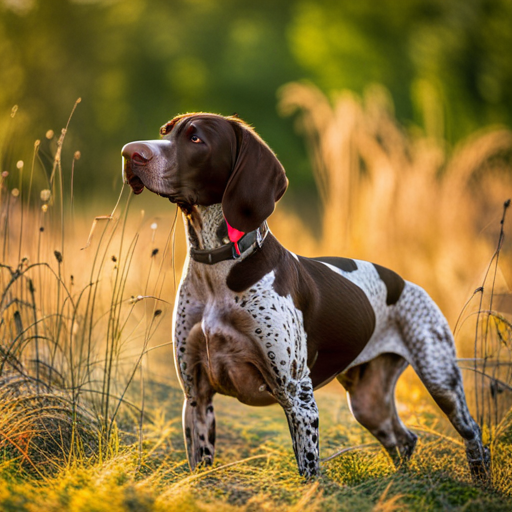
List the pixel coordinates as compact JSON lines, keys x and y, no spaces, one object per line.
{"x":255,"y":467}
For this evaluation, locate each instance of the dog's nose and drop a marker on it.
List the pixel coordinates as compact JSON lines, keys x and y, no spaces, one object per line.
{"x":137,"y":152}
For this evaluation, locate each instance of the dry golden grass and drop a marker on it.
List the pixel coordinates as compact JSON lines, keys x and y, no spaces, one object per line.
{"x":404,"y":199}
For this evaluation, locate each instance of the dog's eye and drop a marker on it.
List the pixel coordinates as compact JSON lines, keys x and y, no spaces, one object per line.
{"x":195,"y":139}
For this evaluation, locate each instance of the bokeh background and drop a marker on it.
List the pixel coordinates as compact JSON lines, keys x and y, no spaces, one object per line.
{"x":137,"y":63}
{"x":393,"y":120}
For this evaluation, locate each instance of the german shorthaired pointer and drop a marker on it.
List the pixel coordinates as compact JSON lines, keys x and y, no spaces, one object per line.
{"x":259,"y":323}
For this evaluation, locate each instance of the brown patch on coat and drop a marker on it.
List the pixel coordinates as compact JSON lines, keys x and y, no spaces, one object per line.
{"x":248,"y":272}
{"x":338,"y":318}
{"x":394,"y":284}
{"x":345,"y":264}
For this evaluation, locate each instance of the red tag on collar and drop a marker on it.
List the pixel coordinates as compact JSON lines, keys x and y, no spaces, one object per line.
{"x":234,"y":235}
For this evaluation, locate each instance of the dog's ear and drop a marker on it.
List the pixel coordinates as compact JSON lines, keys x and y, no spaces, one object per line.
{"x":257,"y":182}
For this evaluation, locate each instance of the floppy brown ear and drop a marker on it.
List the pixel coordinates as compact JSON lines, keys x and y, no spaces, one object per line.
{"x":257,"y":182}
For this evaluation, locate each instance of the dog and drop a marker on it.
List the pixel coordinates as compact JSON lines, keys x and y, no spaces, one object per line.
{"x":255,"y":321}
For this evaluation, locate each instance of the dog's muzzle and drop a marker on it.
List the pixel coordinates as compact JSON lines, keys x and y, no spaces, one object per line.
{"x":137,"y":157}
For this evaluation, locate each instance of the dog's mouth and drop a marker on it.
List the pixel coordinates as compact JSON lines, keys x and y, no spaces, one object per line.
{"x":131,"y":170}
{"x":131,"y":178}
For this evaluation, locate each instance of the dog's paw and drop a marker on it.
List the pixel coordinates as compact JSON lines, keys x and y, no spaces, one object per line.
{"x":480,"y":468}
{"x":310,"y":473}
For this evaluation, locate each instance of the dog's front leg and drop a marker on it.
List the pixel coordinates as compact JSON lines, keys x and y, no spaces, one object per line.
{"x":301,"y":411}
{"x":198,"y":414}
{"x":199,"y":428}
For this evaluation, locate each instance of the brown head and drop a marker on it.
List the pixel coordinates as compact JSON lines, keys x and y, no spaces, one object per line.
{"x":204,"y":159}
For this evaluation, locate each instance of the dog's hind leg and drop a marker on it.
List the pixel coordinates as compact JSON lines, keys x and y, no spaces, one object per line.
{"x":429,"y":340}
{"x":371,"y":390}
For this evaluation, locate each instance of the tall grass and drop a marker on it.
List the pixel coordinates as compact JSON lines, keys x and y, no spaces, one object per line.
{"x":67,"y":320}
{"x":403,"y":197}
{"x":491,"y":364}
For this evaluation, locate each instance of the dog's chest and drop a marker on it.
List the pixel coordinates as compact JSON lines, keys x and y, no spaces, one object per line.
{"x":257,"y":327}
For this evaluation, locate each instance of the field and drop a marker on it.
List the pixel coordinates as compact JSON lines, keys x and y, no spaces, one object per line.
{"x":255,"y":468}
{"x":90,"y":406}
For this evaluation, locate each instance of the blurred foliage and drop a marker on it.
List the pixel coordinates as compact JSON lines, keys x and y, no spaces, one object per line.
{"x":454,"y":53}
{"x":137,"y":63}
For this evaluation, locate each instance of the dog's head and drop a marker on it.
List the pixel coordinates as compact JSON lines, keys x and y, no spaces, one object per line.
{"x":204,"y":159}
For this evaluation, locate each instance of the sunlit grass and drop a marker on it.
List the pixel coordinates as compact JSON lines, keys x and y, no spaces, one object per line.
{"x":76,"y":321}
{"x":256,"y":470}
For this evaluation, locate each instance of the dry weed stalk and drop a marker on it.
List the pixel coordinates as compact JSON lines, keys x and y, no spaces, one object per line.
{"x":491,"y":364}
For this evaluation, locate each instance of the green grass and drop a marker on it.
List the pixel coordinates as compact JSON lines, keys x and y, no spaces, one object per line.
{"x":255,"y":468}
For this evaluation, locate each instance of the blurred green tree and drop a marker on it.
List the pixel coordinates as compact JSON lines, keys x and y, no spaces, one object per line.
{"x":137,"y":63}
{"x":431,"y":54}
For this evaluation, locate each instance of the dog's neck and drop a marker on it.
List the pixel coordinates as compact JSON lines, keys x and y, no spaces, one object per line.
{"x":206,"y":227}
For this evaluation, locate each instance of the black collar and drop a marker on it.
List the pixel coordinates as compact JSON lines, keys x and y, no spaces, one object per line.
{"x":249,"y":243}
